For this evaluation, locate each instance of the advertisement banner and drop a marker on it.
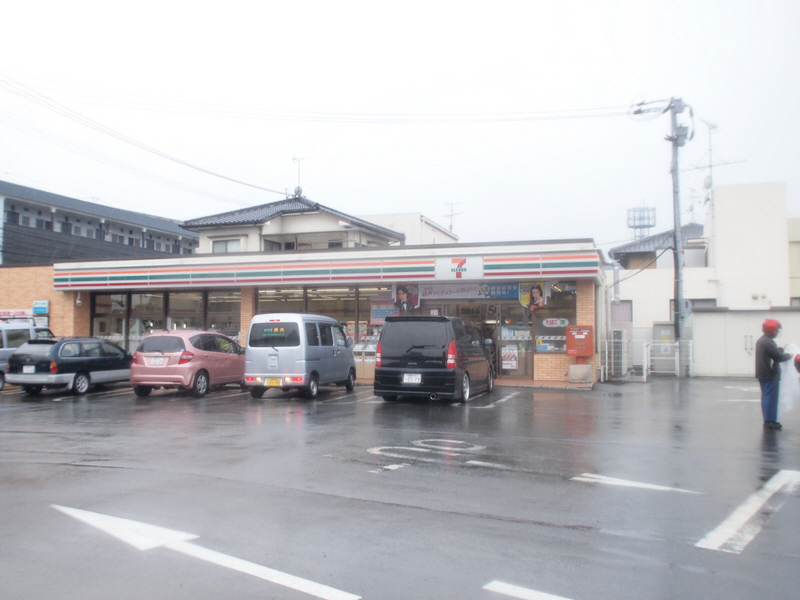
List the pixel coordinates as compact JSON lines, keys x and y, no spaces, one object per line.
{"x":459,"y":291}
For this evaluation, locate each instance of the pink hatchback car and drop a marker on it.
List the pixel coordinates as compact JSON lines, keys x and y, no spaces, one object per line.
{"x":187,"y":359}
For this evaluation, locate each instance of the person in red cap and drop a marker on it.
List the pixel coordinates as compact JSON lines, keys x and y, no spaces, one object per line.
{"x":768,"y":371}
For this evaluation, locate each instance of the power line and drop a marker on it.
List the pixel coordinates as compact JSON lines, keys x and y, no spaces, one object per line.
{"x":108,"y":160}
{"x":27,"y":93}
{"x":248,"y":112}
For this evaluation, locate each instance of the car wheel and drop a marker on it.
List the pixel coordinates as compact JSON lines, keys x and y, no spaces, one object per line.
{"x":465,"y":387}
{"x":200,"y":385}
{"x":80,"y":384}
{"x":489,"y":381}
{"x":390,"y":398}
{"x":351,"y":380}
{"x":32,"y":390}
{"x":142,"y":391}
{"x":257,"y":392}
{"x":313,"y":387}
{"x":2,"y":381}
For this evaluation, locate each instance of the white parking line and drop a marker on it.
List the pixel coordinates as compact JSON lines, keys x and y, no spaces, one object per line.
{"x":739,"y":400}
{"x":516,"y":591}
{"x":74,"y":397}
{"x":735,"y":532}
{"x":389,"y":468}
{"x":500,"y":401}
{"x":592,"y":478}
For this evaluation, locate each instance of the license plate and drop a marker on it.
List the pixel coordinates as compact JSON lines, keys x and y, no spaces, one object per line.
{"x":29,"y":368}
{"x":157,"y":360}
{"x":412,"y":378}
{"x":273,"y":381}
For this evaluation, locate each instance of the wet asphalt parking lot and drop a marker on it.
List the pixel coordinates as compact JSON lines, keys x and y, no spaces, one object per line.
{"x":669,"y":489}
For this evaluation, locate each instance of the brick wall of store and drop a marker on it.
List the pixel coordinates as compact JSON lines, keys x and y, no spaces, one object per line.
{"x":555,"y":367}
{"x":249,"y":305}
{"x":20,"y":286}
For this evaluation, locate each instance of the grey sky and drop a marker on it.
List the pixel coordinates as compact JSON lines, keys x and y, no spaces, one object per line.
{"x":512,"y":115}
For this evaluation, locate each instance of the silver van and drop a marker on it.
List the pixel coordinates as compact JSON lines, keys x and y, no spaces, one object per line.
{"x":297,"y":351}
{"x":12,"y":336}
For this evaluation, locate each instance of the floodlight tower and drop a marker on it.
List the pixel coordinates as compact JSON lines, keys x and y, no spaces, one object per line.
{"x":641,"y":220}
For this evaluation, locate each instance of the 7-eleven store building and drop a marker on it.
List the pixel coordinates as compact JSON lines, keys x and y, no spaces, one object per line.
{"x":492,"y":284}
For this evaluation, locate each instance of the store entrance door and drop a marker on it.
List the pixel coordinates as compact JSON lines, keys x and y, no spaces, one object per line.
{"x":515,"y":347}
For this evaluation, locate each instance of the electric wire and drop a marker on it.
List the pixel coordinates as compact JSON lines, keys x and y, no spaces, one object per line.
{"x":52,"y":138}
{"x":140,"y":102}
{"x":27,"y":93}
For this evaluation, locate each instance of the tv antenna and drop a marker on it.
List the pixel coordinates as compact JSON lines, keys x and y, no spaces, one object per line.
{"x":297,"y":160}
{"x":452,"y":214}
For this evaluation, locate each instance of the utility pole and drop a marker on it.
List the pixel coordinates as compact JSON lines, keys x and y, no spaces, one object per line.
{"x":678,"y":136}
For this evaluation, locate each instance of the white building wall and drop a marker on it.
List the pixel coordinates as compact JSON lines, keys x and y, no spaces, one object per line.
{"x":419,"y":229}
{"x":751,"y":245}
{"x":749,"y":242}
{"x":652,"y":289}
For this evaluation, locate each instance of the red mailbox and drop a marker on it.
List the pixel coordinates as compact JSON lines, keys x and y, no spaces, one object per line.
{"x":580,"y":340}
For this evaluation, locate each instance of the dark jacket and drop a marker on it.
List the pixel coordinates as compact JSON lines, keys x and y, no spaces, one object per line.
{"x":768,"y":357}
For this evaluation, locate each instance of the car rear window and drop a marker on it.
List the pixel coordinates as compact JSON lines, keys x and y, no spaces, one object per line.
{"x":35,"y":349}
{"x":274,"y":335}
{"x":162,"y":343}
{"x":405,"y":334}
{"x":17,"y":337}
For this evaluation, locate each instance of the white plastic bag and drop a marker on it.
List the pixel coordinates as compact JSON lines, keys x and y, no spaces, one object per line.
{"x":789,"y":390}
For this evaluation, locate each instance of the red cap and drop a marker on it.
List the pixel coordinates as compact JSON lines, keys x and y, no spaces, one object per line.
{"x":771,"y":327}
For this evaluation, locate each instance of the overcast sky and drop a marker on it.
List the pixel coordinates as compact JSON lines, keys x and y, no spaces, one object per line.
{"x":511,"y":118}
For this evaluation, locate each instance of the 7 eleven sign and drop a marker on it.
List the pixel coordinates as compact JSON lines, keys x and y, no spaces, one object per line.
{"x":455,"y":268}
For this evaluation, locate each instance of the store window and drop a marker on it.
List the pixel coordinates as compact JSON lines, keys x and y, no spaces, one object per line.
{"x":109,"y":320}
{"x":185,"y":310}
{"x":224,"y":311}
{"x":374,"y":303}
{"x":339,"y":303}
{"x":555,"y":308}
{"x":147,"y":315}
{"x":281,"y":300}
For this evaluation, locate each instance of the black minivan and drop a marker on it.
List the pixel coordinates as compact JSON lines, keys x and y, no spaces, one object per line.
{"x":436,"y":357}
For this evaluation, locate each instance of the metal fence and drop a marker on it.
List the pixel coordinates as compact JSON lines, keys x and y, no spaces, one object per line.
{"x":636,"y":360}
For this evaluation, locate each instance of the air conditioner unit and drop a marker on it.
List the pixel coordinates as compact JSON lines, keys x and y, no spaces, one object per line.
{"x":618,"y":359}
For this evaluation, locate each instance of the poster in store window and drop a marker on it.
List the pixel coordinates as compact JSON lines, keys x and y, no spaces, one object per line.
{"x":406,"y":298}
{"x":510,"y":357}
{"x":534,"y":294}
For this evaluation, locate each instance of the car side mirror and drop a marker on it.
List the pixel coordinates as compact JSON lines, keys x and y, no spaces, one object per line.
{"x":350,"y":342}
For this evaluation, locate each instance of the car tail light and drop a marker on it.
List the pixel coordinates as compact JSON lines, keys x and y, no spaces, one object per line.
{"x":136,"y":357}
{"x":53,"y":367}
{"x":451,"y":355}
{"x":185,"y":358}
{"x":378,"y":355}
